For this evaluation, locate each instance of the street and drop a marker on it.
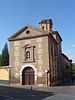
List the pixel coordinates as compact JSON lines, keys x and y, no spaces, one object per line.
{"x":43,"y":93}
{"x":10,"y":93}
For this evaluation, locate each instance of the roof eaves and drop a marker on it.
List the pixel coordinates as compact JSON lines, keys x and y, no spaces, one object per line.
{"x":16,"y":33}
{"x":65,"y":56}
{"x":53,"y":32}
{"x":28,"y":37}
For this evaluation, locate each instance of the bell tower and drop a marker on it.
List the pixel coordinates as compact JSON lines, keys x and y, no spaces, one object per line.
{"x":46,"y":24}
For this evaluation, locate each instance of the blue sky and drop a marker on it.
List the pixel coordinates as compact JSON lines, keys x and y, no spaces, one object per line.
{"x":14,"y":14}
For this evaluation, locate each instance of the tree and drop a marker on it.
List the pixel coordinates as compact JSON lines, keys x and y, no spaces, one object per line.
{"x":73,"y":67}
{"x":5,"y":56}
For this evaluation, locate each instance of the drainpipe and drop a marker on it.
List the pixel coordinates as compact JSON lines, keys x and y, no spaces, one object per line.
{"x":50,"y":75}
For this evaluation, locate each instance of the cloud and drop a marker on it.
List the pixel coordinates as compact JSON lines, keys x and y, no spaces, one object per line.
{"x":73,"y":45}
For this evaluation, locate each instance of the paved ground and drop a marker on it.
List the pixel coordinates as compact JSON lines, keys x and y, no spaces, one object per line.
{"x":66,"y":90}
{"x":18,"y":92}
{"x":9,"y":93}
{"x":60,"y":97}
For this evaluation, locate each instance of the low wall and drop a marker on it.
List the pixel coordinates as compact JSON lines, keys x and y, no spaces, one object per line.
{"x":4,"y":75}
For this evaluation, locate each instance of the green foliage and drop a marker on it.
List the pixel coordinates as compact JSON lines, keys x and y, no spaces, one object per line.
{"x":5,"y":56}
{"x":73,"y":67}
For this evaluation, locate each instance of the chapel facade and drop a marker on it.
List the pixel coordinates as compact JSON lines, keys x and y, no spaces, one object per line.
{"x":36,"y":56}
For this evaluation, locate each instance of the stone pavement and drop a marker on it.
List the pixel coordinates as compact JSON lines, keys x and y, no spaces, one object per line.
{"x":2,"y":97}
{"x":61,"y":92}
{"x":66,"y":90}
{"x":60,"y":97}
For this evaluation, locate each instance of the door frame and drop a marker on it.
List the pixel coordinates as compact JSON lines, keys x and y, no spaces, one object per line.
{"x":35,"y":71}
{"x":30,"y":76}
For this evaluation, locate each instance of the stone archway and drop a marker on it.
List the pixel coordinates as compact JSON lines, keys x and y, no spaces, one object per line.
{"x":35,"y":72}
{"x":28,"y":76}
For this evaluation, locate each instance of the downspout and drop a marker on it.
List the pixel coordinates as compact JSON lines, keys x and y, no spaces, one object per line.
{"x":49,"y":60}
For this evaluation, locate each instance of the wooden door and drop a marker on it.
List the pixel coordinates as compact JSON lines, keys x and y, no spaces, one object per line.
{"x":28,"y":76}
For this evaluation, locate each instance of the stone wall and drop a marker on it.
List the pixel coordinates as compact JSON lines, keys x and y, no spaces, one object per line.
{"x":17,"y":58}
{"x":4,"y":74}
{"x":67,"y":67}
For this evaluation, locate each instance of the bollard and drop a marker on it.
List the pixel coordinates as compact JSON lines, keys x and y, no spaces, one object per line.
{"x":31,"y":87}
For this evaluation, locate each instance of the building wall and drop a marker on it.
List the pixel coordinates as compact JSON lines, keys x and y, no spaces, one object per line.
{"x":59,"y":49}
{"x":17,"y":59}
{"x":53,"y":61}
{"x":4,"y":75}
{"x":67,"y":68}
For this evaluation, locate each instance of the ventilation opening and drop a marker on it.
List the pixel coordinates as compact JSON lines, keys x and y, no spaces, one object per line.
{"x":27,"y":31}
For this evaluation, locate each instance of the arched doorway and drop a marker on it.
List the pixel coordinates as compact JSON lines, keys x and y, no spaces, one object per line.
{"x":28,"y":76}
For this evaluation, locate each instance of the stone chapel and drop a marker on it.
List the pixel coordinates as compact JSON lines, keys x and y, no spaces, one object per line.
{"x":36,"y":56}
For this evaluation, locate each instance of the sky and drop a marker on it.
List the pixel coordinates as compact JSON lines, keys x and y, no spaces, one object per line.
{"x":14,"y":14}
